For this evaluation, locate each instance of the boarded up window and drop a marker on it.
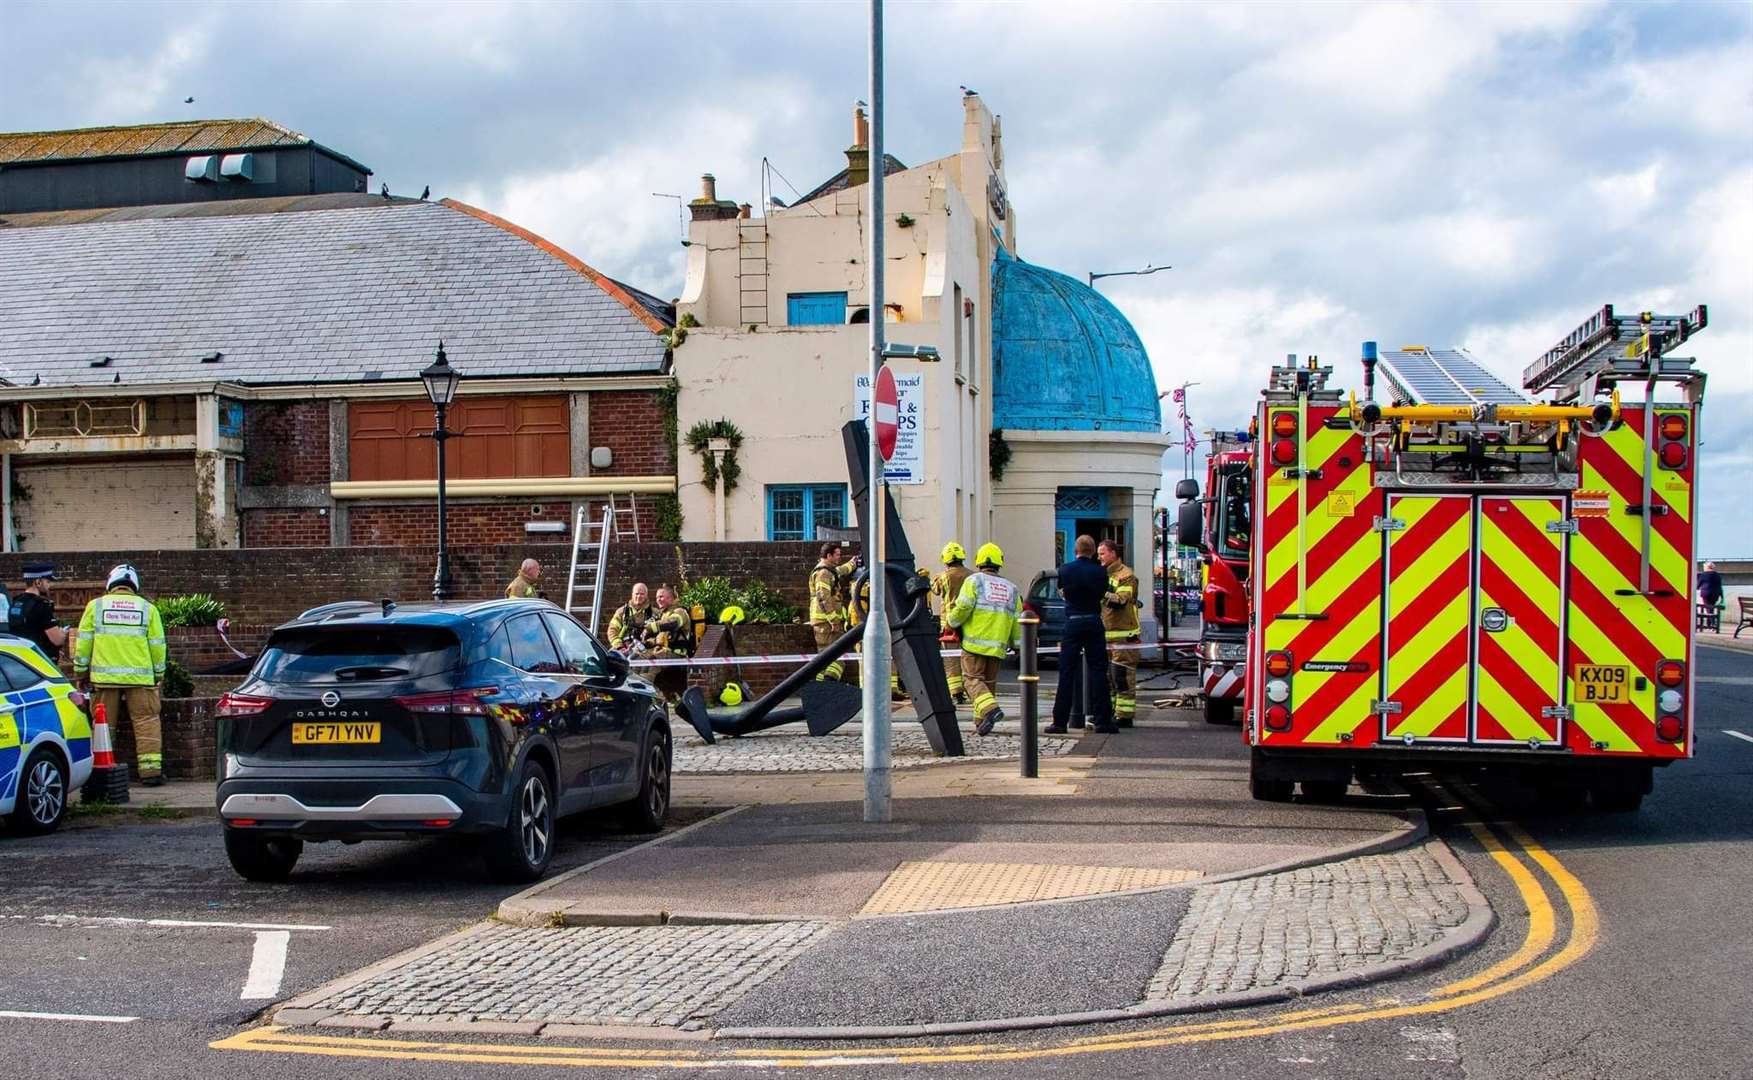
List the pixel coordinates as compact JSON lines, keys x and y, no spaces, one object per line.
{"x":502,"y":438}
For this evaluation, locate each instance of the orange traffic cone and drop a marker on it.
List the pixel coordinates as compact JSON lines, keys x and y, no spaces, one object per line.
{"x":103,"y":755}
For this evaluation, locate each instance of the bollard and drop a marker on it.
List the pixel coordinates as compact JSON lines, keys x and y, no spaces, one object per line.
{"x":1029,"y":684}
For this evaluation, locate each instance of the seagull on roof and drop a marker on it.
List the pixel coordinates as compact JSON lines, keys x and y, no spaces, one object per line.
{"x":384,"y":191}
{"x":426,"y":193}
{"x":969,"y":93}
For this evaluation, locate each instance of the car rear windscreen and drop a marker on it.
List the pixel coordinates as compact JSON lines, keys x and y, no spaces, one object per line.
{"x":358,"y":654}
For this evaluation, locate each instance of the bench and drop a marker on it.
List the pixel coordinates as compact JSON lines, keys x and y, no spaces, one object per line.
{"x":1745,"y":616}
{"x":1705,"y":618}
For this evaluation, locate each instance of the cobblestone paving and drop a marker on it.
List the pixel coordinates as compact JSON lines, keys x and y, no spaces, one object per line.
{"x":654,"y":975}
{"x":842,"y":751}
{"x":1321,"y":920}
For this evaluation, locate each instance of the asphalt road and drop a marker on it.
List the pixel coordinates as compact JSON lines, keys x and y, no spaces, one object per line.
{"x":1660,"y":991}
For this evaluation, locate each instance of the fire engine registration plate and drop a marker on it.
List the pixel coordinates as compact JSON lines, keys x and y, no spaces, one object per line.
{"x":307,"y":733}
{"x":1602,"y":684}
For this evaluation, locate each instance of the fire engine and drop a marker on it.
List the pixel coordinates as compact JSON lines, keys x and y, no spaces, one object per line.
{"x":1463,"y":576}
{"x":1220,"y":526}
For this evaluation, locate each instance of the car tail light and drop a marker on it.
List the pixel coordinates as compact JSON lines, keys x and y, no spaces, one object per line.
{"x":437,"y":823}
{"x":449,"y":702}
{"x":1284,"y":452}
{"x":1284,"y":425}
{"x":1670,"y":729}
{"x":243,"y":822}
{"x":241,"y":705}
{"x":1672,"y":429}
{"x":1278,"y":664}
{"x":1670,"y":673}
{"x":1277,"y":718}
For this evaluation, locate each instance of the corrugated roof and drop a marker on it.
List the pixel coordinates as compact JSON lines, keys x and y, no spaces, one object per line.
{"x":332,"y":288}
{"x":176,"y":137}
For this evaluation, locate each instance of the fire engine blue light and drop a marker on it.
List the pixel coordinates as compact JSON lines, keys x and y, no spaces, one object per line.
{"x":1369,"y":350}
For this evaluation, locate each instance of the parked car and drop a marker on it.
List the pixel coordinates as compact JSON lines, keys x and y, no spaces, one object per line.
{"x":368,"y":722}
{"x":45,"y":738}
{"x":1045,"y":603}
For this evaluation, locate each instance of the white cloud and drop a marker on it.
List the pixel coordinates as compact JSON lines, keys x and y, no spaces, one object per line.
{"x":132,"y":89}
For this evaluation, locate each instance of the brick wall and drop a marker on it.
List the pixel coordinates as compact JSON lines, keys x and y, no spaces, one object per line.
{"x":267,"y":587}
{"x":286,"y":442}
{"x":189,"y":737}
{"x":296,"y":527}
{"x":630,"y":424}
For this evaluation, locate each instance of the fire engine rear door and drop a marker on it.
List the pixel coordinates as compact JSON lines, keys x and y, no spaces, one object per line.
{"x":1428,"y":618}
{"x":1518,"y":607}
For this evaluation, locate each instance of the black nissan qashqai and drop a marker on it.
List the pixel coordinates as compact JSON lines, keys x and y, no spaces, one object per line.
{"x":362,"y":721}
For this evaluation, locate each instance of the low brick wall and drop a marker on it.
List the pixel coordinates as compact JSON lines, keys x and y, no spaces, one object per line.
{"x":750,"y":640}
{"x":189,"y":738}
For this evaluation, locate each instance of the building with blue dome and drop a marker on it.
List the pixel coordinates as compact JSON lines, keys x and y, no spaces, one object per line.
{"x":1039,"y":422}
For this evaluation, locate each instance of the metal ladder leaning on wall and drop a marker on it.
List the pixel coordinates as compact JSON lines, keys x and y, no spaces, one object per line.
{"x":591,"y":538}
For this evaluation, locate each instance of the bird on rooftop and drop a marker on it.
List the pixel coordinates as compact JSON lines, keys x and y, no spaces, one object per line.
{"x":118,"y":377}
{"x":36,"y":380}
{"x":384,"y":191}
{"x":426,"y":193}
{"x":969,"y":93}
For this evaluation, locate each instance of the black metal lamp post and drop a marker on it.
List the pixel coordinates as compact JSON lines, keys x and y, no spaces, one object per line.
{"x":441,"y":388}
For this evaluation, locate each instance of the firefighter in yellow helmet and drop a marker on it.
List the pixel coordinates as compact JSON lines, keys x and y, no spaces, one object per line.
{"x":946,"y":585}
{"x":1120,"y":627}
{"x":670,"y":634}
{"x":829,"y":582}
{"x":986,"y":611}
{"x":120,"y":654}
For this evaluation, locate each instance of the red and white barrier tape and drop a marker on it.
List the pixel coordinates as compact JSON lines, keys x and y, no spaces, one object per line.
{"x":803,"y":658}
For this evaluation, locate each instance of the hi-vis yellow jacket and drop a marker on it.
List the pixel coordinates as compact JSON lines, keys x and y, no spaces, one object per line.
{"x":121,"y":641}
{"x":986,"y":611}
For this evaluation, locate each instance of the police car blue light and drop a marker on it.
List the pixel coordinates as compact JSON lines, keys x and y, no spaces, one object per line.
{"x":45,"y":739}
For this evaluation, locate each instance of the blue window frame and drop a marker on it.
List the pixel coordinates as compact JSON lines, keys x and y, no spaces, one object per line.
{"x":794,"y":510}
{"x":815,"y":309}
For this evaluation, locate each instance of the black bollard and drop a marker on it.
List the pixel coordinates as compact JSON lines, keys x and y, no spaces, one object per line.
{"x":1029,"y":685}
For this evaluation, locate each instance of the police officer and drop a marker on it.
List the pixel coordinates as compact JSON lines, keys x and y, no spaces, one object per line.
{"x":986,"y":611}
{"x":32,"y":613}
{"x":120,"y":655}
{"x":1083,"y":651}
{"x":1120,"y":627}
{"x":523,"y":586}
{"x":670,"y":633}
{"x":946,"y":586}
{"x":828,"y":614}
{"x":627,"y":625}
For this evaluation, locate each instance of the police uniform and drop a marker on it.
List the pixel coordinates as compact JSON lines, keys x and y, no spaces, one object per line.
{"x":1120,"y":627}
{"x":669,"y":634}
{"x":31,"y":616}
{"x":521,"y":588}
{"x":987,"y":611}
{"x":121,"y":651}
{"x":828,"y":615}
{"x":946,"y":586}
{"x":628,"y":623}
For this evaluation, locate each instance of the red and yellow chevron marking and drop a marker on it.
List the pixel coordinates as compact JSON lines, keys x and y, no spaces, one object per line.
{"x":1429,"y":583}
{"x":1609,"y":622}
{"x":1521,"y":564}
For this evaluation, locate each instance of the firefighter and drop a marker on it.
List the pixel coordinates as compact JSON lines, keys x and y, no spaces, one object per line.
{"x":1120,"y":627}
{"x":670,"y":633}
{"x":119,"y":654}
{"x":986,"y":612}
{"x":627,"y":624}
{"x":828,"y":615}
{"x":859,"y":610}
{"x":946,"y":585}
{"x":523,"y":586}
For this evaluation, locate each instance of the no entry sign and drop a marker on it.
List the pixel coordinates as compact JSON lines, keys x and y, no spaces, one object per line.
{"x":885,"y":412}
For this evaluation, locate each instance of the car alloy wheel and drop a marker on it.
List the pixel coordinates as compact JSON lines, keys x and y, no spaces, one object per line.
{"x":657,"y":778}
{"x":45,"y":792}
{"x":534,"y":826}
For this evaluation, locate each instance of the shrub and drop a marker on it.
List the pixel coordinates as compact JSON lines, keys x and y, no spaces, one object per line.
{"x":177,"y":681}
{"x":196,"y":609}
{"x":759,"y":602}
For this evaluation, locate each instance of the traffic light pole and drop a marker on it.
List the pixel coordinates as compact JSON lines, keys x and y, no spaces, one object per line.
{"x":875,"y":669}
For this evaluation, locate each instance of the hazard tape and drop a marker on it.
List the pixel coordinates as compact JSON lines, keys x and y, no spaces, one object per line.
{"x":848,"y":658}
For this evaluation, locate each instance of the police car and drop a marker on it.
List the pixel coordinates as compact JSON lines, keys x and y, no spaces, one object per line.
{"x":45,"y":738}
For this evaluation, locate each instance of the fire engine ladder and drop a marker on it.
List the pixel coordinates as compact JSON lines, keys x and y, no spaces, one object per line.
{"x":752,"y":271}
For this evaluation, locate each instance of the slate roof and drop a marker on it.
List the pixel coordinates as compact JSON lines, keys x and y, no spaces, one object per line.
{"x":145,"y":140}
{"x":325,"y":288}
{"x":841,"y":180}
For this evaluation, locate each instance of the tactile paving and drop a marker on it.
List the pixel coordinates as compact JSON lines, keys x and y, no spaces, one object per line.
{"x":938,"y":886}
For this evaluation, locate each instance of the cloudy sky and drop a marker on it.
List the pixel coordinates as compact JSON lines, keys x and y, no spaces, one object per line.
{"x":1317,"y":174}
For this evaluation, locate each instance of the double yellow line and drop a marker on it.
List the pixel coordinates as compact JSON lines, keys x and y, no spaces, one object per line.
{"x":1523,"y":859}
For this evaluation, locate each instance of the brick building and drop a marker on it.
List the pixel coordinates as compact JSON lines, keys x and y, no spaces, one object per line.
{"x":239,"y":368}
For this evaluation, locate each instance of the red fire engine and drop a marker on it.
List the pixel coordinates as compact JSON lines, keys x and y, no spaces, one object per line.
{"x":1220,"y":526}
{"x":1463,"y":576}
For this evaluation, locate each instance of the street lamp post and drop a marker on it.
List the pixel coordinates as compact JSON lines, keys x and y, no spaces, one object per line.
{"x":1148,"y":269}
{"x":441,"y":389}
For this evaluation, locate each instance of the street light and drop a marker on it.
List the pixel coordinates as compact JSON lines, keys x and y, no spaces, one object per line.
{"x":1148,"y":269}
{"x":441,"y":389}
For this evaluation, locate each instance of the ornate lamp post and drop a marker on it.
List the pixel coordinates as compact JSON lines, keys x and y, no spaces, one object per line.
{"x":441,"y":389}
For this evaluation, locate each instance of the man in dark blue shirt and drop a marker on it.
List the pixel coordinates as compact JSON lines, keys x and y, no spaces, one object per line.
{"x":1083,"y":654}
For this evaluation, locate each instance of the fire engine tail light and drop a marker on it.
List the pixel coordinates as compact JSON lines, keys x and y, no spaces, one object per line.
{"x":1284,"y":425}
{"x":1277,"y":718}
{"x":1670,"y":673}
{"x":1278,"y":664}
{"x":1284,"y":452}
{"x":1673,"y":426}
{"x":1670,"y":729}
{"x":1672,"y":429}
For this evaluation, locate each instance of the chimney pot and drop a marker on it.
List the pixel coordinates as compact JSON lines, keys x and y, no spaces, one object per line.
{"x":708,"y":188}
{"x":744,"y":209}
{"x":860,"y":127}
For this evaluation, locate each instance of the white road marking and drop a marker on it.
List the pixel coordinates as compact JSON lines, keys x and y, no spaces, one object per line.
{"x":117,"y":920}
{"x":1725,"y":680}
{"x":8,"y":1014}
{"x":1738,"y":735}
{"x":267,"y":965}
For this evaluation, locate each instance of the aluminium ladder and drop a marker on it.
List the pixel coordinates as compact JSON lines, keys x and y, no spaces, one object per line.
{"x":585,"y":580}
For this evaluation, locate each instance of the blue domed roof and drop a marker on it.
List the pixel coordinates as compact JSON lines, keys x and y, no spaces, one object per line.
{"x":1063,"y":358}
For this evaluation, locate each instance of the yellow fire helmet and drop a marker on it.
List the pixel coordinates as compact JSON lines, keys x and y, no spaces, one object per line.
{"x":990,"y":555}
{"x":732,"y":695}
{"x":732,"y":615}
{"x":953,"y":553}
